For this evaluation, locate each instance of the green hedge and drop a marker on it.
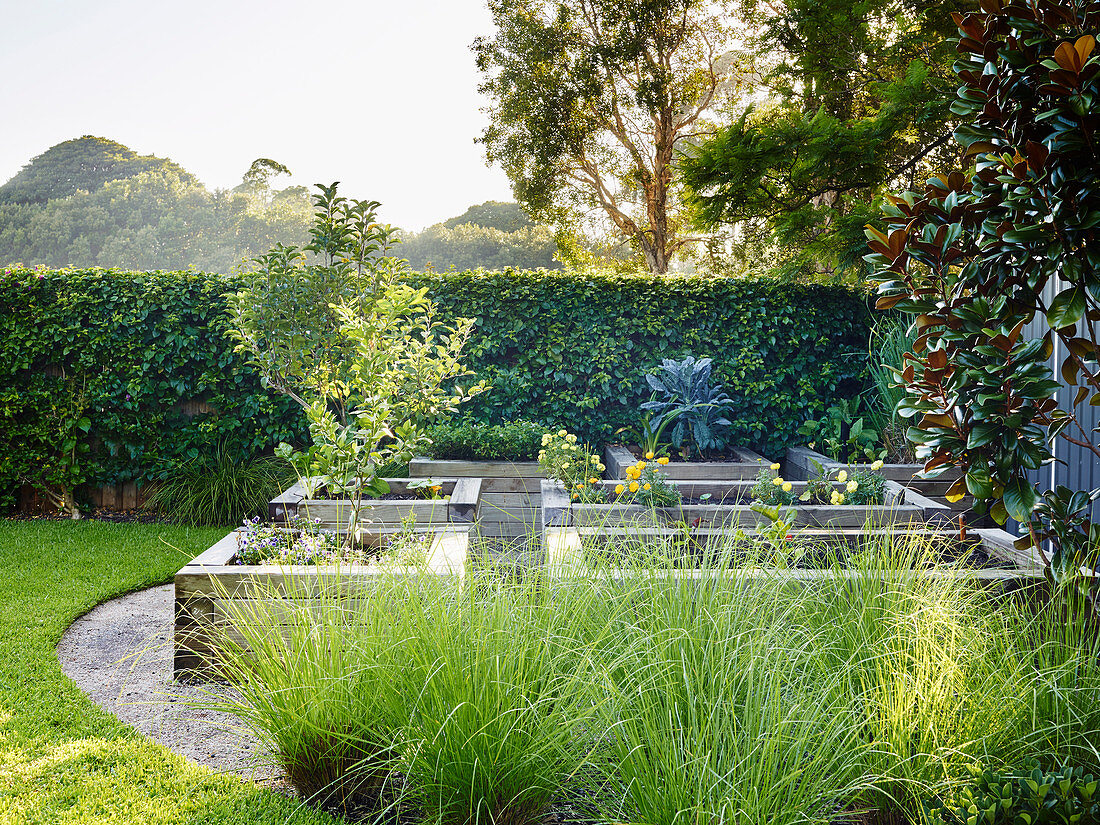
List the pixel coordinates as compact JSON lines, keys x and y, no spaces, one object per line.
{"x":572,"y":350}
{"x":563,"y":349}
{"x":140,"y":345}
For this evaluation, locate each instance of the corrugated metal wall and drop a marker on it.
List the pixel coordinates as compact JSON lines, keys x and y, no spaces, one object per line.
{"x":1075,"y":467}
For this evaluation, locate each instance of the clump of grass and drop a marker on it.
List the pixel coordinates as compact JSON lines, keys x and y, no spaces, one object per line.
{"x":220,"y":488}
{"x":669,"y":696}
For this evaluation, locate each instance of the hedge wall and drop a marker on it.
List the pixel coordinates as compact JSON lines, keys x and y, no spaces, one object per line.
{"x":564,"y":349}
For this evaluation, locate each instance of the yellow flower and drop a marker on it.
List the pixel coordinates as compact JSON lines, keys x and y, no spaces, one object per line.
{"x":600,"y":467}
{"x":775,"y":466}
{"x":593,"y":480}
{"x":663,"y":460}
{"x":787,"y":486}
{"x":833,"y":496}
{"x":853,"y":485}
{"x":647,"y":486}
{"x":619,"y":489}
{"x":565,"y":466}
{"x":572,"y":439}
{"x":778,"y":481}
{"x":578,"y":486}
{"x":842,"y":476}
{"x":575,"y":497}
{"x":876,"y":466}
{"x":633,"y":472}
{"x":840,"y":498}
{"x":641,"y":465}
{"x":562,"y":433}
{"x":634,"y":486}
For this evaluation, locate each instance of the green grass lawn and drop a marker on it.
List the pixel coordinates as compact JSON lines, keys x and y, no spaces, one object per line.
{"x":62,"y":758}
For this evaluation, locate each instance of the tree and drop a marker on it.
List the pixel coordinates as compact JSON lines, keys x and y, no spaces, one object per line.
{"x":358,"y":349}
{"x":590,"y":99}
{"x":858,"y":101}
{"x":160,"y":218}
{"x":499,"y":215}
{"x":83,"y":164}
{"x":976,"y":257}
{"x":256,"y":182}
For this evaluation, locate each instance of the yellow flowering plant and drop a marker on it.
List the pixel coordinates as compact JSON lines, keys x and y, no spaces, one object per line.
{"x":574,"y":465}
{"x":645,"y":484}
{"x":856,"y":487}
{"x":771,"y":489}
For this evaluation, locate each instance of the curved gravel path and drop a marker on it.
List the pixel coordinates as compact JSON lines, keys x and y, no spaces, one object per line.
{"x":120,"y":654}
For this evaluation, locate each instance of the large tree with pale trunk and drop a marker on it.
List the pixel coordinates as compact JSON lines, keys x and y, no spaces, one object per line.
{"x":590,"y":99}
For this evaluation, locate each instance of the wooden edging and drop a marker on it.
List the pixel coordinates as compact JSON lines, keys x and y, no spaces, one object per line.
{"x":564,"y":558}
{"x":747,"y":464}
{"x":460,"y":506}
{"x":211,"y":580}
{"x":798,"y":467}
{"x":903,"y":506}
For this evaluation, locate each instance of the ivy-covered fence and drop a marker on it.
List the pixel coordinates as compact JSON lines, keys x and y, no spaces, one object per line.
{"x":123,"y":374}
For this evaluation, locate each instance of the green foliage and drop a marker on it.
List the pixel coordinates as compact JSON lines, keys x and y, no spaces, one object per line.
{"x":468,"y":246}
{"x":573,"y":464}
{"x":589,"y":99}
{"x":856,"y":100}
{"x":219,"y":488}
{"x":1022,"y":796}
{"x":471,"y":441}
{"x":357,"y":348}
{"x":768,"y":492}
{"x":646,"y":485}
{"x":976,"y":257}
{"x":499,"y":215}
{"x":557,"y":347}
{"x":572,"y":348}
{"x":161,"y":383}
{"x":141,"y":213}
{"x":843,"y":433}
{"x":83,"y":164}
{"x":689,"y":402}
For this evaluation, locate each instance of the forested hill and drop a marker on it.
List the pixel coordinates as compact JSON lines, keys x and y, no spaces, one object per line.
{"x":92,"y":201}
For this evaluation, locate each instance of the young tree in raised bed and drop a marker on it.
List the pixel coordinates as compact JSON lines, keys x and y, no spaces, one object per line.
{"x":975,"y":258}
{"x":334,"y":327}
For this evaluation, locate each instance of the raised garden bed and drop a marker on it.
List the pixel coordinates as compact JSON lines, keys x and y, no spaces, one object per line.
{"x":799,"y":467}
{"x":211,"y":580}
{"x":743,"y":466}
{"x":460,"y":506}
{"x":511,"y":505}
{"x":728,"y":505}
{"x":987,"y":555}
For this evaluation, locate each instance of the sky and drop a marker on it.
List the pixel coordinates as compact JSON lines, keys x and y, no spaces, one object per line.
{"x":381,"y":96}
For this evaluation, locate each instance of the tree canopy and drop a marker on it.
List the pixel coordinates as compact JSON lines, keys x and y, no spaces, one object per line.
{"x":590,"y":99}
{"x":856,"y":101}
{"x":82,"y":164}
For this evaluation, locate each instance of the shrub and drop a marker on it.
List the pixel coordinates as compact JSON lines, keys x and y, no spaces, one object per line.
{"x":472,"y":441}
{"x":1024,"y":795}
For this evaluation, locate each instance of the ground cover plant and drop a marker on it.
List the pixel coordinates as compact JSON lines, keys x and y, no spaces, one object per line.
{"x":665,"y":698}
{"x":62,"y":759}
{"x":475,"y":441}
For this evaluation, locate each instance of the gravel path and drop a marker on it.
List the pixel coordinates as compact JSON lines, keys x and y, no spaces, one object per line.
{"x":120,"y":654}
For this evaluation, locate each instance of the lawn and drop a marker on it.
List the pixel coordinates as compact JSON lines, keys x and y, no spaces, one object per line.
{"x":62,"y":759}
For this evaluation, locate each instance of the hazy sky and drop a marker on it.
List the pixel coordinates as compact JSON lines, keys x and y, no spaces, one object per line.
{"x":381,"y":96}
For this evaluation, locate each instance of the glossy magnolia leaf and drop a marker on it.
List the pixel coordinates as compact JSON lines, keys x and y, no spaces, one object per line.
{"x":956,"y":491}
{"x":1067,"y":308}
{"x":1019,"y":499}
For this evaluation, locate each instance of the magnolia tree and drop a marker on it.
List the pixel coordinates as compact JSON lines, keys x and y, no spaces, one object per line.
{"x":977,"y":258}
{"x":334,"y":327}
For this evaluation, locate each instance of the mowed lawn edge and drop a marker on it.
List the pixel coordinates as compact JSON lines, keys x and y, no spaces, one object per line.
{"x":62,"y":758}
